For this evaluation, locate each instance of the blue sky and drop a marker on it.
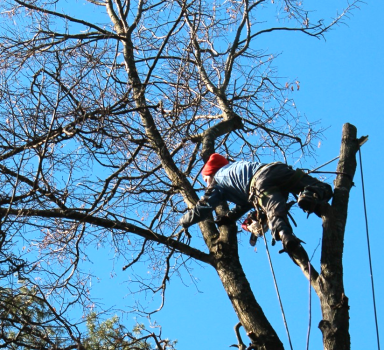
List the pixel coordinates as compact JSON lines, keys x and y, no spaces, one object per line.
{"x":340,"y":81}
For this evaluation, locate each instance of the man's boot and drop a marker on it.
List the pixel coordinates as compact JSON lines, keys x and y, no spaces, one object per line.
{"x":314,"y":198}
{"x":290,"y":242}
{"x":308,"y":201}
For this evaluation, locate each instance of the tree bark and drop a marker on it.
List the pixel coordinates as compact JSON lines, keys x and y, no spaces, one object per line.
{"x":225,"y":259}
{"x":334,"y":303}
{"x":328,"y":284}
{"x":235,"y":283}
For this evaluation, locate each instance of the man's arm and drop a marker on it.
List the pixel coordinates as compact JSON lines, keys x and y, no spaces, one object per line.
{"x":195,"y":215}
{"x":238,"y":211}
{"x":203,"y":208}
{"x":233,"y":215}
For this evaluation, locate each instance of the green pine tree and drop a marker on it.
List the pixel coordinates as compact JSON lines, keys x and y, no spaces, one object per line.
{"x":28,"y":322}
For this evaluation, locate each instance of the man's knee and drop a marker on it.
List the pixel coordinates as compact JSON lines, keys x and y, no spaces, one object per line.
{"x":314,"y":197}
{"x":323,"y":190}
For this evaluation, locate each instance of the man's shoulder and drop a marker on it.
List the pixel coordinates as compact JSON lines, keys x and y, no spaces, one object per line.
{"x":243,"y":163}
{"x":247,"y":164}
{"x":238,"y":168}
{"x":240,"y":164}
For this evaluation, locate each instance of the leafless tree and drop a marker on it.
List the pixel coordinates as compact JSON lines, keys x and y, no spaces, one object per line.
{"x":108,"y":112}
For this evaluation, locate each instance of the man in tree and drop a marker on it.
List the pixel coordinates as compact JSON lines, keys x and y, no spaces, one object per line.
{"x":266,"y":186}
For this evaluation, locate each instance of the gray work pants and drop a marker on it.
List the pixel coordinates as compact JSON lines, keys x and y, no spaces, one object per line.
{"x":273,"y":199}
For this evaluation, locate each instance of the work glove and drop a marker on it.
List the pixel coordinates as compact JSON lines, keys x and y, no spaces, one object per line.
{"x":184,"y":223}
{"x":185,"y":219}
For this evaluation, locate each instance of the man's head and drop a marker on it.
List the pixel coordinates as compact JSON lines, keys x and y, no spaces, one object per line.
{"x":214,"y":163}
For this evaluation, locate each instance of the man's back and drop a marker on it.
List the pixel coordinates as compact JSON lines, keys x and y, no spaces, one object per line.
{"x":233,"y":181}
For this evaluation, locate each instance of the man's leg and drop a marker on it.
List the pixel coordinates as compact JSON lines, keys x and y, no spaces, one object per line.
{"x":275,"y":207}
{"x":273,"y":200}
{"x":272,"y":185}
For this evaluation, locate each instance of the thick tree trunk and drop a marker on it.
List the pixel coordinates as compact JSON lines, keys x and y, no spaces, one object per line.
{"x":250,"y":314}
{"x":334,"y":303}
{"x":328,"y":284}
{"x":225,"y":259}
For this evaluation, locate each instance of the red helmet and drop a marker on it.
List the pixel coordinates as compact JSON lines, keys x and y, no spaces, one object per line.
{"x":215,"y":162}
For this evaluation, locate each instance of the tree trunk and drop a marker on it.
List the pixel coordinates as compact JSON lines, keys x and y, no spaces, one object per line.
{"x":334,"y":303}
{"x":225,"y":259}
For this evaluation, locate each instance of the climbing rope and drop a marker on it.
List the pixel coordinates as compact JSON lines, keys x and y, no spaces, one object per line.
{"x":309,"y":304}
{"x":278,"y":293}
{"x":369,"y":250}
